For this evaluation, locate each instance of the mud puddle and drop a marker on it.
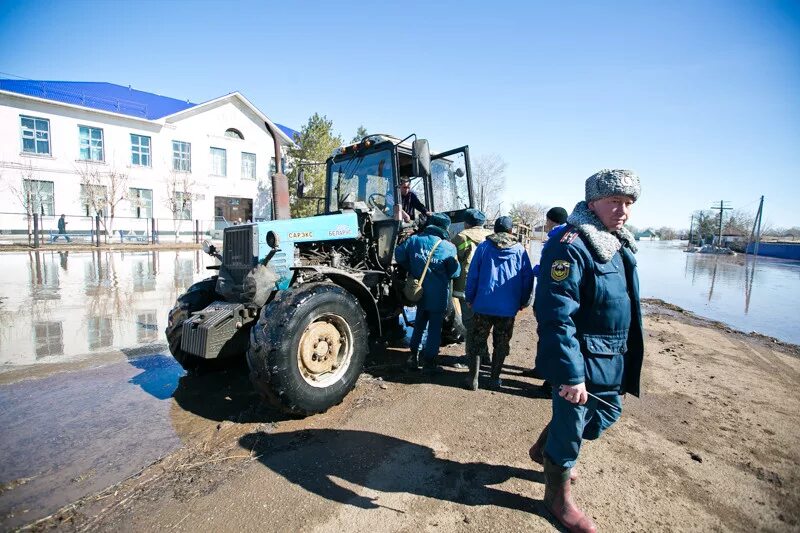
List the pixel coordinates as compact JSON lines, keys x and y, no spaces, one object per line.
{"x":74,"y":433}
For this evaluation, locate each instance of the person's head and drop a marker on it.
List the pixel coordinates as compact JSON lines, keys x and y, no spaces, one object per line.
{"x":405,"y":186}
{"x":440,"y":220}
{"x":473,"y":217}
{"x":63,"y":215}
{"x":555,"y":217}
{"x":610,"y":195}
{"x":503,"y":225}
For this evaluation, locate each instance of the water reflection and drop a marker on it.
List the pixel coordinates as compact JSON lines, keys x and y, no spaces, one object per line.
{"x":749,"y":293}
{"x":57,"y":305}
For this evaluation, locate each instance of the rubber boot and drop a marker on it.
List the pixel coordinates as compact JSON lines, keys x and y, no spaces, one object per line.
{"x":537,"y":452}
{"x":474,"y":362}
{"x":413,"y":360}
{"x":558,"y":499}
{"x":497,"y":367}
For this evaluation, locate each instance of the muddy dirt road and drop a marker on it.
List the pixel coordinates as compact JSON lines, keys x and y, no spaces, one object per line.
{"x":711,"y":445}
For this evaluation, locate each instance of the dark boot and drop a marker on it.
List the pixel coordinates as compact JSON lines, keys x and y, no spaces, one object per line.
{"x":497,"y":367}
{"x":558,"y":499}
{"x":413,"y":360}
{"x":537,"y":452}
{"x":474,"y":362}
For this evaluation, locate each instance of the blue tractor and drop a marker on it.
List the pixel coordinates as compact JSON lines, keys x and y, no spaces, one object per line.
{"x":303,"y":298}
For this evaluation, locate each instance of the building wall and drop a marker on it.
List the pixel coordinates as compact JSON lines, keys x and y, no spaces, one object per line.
{"x":202,"y":128}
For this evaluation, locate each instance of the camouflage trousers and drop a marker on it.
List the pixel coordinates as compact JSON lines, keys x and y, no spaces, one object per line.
{"x":501,"y":327}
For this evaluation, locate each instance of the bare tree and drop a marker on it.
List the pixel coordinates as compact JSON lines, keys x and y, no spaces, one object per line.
{"x":180,"y":193}
{"x":101,"y":193}
{"x":531,"y":215}
{"x":666,"y":233}
{"x":32,"y":194}
{"x":489,"y":181}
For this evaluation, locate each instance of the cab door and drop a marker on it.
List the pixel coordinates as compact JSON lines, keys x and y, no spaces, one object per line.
{"x":451,"y":183}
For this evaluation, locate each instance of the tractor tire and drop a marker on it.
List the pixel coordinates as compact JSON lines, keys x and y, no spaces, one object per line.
{"x":308,"y":348}
{"x":196,"y":298}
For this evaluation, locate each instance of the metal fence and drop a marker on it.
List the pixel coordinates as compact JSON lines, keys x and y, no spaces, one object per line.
{"x":43,"y":230}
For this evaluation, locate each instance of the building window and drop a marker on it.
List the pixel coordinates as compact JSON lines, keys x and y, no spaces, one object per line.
{"x":39,"y":197}
{"x":248,"y":166}
{"x":141,"y":202}
{"x":272,"y":165}
{"x":35,"y":135}
{"x":219,"y":162}
{"x":91,"y":143}
{"x":93,"y":199}
{"x":140,"y":150}
{"x":101,"y":334}
{"x":49,"y":338}
{"x":234,"y":133}
{"x":147,"y":327}
{"x":183,"y":206}
{"x":181,"y":156}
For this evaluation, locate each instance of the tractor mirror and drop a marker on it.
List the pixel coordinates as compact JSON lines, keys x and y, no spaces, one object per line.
{"x":421,"y":159}
{"x":301,"y":183}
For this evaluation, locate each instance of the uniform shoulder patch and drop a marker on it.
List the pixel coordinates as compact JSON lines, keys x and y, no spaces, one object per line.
{"x":560,"y":270}
{"x":569,"y":236}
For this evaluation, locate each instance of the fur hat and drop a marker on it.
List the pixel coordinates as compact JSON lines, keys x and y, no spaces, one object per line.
{"x":503,"y":225}
{"x":473,"y":217}
{"x":612,"y":183}
{"x":439,"y":220}
{"x":557,"y":215}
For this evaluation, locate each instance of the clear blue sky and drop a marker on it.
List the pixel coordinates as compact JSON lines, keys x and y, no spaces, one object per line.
{"x":701,"y":98}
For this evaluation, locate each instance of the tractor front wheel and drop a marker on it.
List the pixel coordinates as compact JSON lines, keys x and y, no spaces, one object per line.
{"x":308,"y":348}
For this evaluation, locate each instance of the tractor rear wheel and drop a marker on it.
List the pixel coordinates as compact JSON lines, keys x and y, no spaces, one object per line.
{"x":196,"y":298}
{"x":308,"y":348}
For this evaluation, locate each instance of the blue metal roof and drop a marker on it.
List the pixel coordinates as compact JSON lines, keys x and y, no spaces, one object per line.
{"x":288,"y":131}
{"x":106,"y":97}
{"x":99,"y":95}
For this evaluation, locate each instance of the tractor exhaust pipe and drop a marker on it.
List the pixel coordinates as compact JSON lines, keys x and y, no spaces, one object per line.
{"x":280,"y":183}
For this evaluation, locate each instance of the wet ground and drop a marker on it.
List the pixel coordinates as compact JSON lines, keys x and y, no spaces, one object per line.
{"x":69,"y":433}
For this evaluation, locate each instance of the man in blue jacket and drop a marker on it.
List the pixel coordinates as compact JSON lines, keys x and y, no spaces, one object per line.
{"x":590,"y":331}
{"x":412,"y":255}
{"x":499,"y":285}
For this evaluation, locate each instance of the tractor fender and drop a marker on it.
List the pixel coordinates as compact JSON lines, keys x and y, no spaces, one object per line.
{"x":354,"y":286}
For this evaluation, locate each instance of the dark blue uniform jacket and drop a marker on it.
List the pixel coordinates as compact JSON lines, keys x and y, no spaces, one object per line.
{"x":413,"y":254}
{"x":589,"y":317}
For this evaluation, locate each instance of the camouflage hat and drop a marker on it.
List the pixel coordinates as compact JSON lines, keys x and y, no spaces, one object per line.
{"x":612,"y":183}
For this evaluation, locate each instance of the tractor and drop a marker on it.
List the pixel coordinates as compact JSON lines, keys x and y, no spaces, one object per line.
{"x":304,"y":298}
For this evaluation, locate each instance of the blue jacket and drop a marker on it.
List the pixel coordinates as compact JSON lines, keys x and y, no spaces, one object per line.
{"x":589,"y":316}
{"x":413,"y":254}
{"x":550,"y":233}
{"x":500,"y":278}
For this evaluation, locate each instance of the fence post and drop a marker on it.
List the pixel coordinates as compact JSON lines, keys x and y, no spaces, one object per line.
{"x":153,"y":230}
{"x":97,"y":230}
{"x":196,"y":231}
{"x":36,"y":230}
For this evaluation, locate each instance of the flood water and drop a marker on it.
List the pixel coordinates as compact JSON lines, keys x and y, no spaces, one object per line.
{"x":748,"y":293}
{"x":70,"y":434}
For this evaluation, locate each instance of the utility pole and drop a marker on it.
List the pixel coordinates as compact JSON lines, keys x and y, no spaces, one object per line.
{"x":721,"y":208}
{"x":691,"y":227}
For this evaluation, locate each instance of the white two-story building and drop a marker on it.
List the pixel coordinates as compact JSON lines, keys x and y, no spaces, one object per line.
{"x":75,"y":148}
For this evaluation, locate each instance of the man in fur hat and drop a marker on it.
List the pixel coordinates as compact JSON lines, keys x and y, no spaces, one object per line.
{"x":590,"y":331}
